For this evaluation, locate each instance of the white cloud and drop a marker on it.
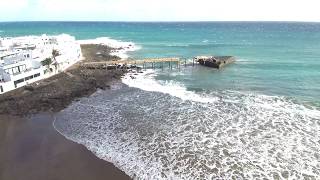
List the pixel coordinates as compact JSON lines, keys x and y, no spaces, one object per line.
{"x":166,"y":10}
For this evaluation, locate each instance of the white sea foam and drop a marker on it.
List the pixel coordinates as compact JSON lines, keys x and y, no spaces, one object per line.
{"x":160,"y":130}
{"x":146,"y":81}
{"x":153,"y":135}
{"x":122,"y":48}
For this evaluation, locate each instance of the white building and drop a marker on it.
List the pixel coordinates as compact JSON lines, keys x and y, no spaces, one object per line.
{"x":21,"y":59}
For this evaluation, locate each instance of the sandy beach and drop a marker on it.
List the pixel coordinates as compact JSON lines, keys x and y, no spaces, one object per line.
{"x":30,"y":148}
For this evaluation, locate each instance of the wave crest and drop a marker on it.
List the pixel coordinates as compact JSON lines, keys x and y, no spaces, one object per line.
{"x":146,"y":81}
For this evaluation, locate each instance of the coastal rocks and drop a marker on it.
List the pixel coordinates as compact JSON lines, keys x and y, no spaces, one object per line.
{"x":119,"y":48}
{"x":57,"y":92}
{"x":214,"y":61}
{"x":98,"y":53}
{"x":28,"y":88}
{"x":57,"y":95}
{"x":112,"y":67}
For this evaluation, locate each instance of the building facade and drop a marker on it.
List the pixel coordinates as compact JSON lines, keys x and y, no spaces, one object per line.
{"x":25,"y":60}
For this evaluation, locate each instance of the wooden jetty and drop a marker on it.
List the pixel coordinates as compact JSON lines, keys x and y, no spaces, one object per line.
{"x":214,"y":61}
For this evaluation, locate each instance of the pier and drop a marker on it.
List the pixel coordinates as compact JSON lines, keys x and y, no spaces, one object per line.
{"x":210,"y":61}
{"x":145,"y":63}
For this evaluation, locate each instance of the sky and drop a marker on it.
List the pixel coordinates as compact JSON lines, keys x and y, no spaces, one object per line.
{"x":160,"y":10}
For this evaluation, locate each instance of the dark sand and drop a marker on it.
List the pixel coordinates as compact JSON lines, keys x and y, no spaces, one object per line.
{"x":30,"y":148}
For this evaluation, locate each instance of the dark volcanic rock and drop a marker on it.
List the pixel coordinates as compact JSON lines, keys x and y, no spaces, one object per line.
{"x":57,"y":92}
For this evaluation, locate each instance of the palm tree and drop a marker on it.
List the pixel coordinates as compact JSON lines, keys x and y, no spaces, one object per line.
{"x":47,"y":62}
{"x":55,"y":53}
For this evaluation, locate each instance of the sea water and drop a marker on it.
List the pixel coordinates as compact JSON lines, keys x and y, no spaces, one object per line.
{"x":257,"y":118}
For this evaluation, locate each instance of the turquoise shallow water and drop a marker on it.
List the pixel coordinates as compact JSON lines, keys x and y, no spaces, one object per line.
{"x":273,"y":58}
{"x":255,"y":119}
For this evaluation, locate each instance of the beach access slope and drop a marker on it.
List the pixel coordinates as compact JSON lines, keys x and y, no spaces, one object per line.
{"x":30,"y":147}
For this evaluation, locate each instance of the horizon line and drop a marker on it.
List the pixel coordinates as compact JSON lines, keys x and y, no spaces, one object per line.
{"x":160,"y":21}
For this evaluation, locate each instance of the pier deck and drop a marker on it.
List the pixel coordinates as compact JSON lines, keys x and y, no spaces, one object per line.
{"x":216,"y":62}
{"x":137,"y":62}
{"x":146,"y":63}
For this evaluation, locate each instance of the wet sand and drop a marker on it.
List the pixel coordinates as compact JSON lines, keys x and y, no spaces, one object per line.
{"x":30,"y":148}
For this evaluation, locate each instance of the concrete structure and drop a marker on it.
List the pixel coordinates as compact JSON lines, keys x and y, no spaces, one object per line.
{"x":22,"y":58}
{"x":214,"y":61}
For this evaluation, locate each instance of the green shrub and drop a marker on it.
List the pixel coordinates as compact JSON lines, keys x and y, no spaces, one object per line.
{"x":46,"y":62}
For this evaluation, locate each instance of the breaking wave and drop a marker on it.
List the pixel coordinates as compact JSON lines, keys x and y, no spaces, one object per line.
{"x":159,"y":130}
{"x":146,"y":81}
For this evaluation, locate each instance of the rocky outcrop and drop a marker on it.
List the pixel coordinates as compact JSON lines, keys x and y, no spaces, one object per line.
{"x":57,"y":92}
{"x":215,"y":61}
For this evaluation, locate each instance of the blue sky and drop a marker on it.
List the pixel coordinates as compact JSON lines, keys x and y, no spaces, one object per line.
{"x":160,"y":10}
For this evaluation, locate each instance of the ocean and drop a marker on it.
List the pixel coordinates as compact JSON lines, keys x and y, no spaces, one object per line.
{"x":257,"y":118}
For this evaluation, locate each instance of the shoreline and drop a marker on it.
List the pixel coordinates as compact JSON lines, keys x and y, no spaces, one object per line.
{"x":30,"y":145}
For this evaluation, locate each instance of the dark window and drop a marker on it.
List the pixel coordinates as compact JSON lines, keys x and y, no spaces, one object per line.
{"x":18,"y":81}
{"x":1,"y":88}
{"x":28,"y":78}
{"x":37,"y":75}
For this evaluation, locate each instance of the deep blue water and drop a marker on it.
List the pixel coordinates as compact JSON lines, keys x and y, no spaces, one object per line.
{"x":274,"y":58}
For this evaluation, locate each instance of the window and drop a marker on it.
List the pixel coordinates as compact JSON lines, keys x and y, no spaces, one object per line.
{"x":18,"y":81}
{"x":15,"y":70}
{"x":22,"y":68}
{"x":28,"y":78}
{"x":1,"y":89}
{"x":37,"y":75}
